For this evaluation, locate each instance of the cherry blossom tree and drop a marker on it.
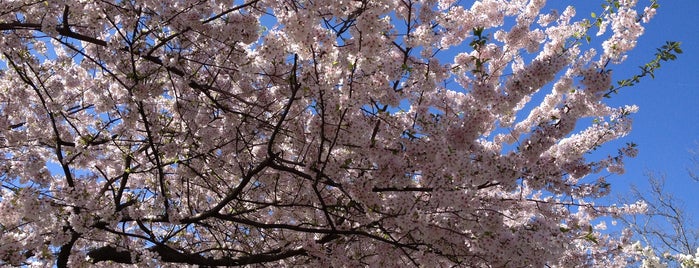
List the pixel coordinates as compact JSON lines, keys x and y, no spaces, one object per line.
{"x":325,"y":133}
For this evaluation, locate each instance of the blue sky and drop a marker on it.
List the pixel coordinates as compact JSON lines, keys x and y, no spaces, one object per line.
{"x":666,"y":127}
{"x":667,"y":124}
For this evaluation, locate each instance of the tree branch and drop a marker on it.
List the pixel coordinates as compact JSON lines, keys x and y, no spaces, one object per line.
{"x":167,"y":254}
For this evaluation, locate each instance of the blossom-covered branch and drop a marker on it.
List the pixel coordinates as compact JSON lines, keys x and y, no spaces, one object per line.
{"x":316,"y":133}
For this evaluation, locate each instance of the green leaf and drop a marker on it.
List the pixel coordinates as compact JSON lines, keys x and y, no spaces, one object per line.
{"x":590,"y":237}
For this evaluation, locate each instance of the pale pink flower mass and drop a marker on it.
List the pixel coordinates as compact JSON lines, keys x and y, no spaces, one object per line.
{"x":310,"y":133}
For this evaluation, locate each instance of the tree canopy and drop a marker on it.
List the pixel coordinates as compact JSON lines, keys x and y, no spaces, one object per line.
{"x":297,"y":132}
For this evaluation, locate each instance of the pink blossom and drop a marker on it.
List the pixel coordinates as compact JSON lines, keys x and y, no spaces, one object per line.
{"x":309,"y":133}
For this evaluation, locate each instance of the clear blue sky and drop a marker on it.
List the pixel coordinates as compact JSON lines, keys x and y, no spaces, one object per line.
{"x":667,"y":124}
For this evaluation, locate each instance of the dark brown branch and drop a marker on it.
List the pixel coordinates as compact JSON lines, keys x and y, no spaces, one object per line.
{"x":167,"y":254}
{"x":64,"y":252}
{"x":402,"y":189}
{"x":233,"y":194}
{"x":229,"y":11}
{"x":298,"y":228}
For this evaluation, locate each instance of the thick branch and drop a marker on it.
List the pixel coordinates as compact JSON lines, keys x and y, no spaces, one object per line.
{"x":167,"y":254}
{"x":64,"y":252}
{"x":233,"y":194}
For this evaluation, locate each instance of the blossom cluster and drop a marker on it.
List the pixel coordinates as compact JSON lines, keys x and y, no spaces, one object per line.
{"x":315,"y":133}
{"x":649,"y":258}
